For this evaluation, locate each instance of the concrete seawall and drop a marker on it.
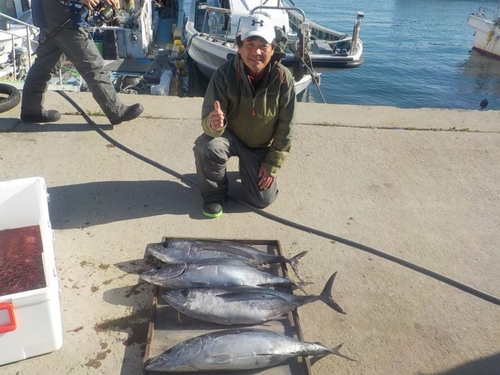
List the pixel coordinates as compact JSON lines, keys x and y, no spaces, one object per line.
{"x":307,"y":113}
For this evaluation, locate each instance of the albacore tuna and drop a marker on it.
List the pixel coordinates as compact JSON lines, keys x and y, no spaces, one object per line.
{"x":235,"y":349}
{"x":242,"y":305}
{"x":212,"y":273}
{"x":191,"y":251}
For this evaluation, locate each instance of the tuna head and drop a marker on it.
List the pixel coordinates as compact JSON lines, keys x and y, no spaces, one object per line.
{"x":156,"y":250}
{"x":179,"y":358}
{"x":169,"y":251}
{"x":162,"y":274}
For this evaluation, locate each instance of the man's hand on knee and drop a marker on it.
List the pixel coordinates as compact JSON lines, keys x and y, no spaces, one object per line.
{"x":265,"y":179}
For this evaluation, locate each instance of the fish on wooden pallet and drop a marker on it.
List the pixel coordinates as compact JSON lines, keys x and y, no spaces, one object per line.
{"x":193,"y":250}
{"x":242,"y":305}
{"x":236,"y":349}
{"x":212,"y":273}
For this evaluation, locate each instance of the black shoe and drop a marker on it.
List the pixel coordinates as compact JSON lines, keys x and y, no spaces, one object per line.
{"x":131,"y":113}
{"x":212,"y":210}
{"x":46,"y":116}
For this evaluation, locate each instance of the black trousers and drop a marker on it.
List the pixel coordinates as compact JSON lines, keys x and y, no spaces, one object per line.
{"x":78,"y":47}
{"x":211,"y":155}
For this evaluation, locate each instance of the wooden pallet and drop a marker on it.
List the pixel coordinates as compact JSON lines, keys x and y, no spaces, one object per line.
{"x":167,"y":327}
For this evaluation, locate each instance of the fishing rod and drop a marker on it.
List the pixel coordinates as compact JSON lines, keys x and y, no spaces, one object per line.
{"x":292,"y":224}
{"x":61,"y":27}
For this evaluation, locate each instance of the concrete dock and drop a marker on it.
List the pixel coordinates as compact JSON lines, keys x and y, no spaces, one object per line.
{"x":422,"y":185}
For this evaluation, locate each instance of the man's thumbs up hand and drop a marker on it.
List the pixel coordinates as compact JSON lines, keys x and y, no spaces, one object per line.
{"x":217,"y":117}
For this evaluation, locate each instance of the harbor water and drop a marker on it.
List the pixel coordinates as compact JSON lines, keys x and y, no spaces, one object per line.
{"x":417,"y":54}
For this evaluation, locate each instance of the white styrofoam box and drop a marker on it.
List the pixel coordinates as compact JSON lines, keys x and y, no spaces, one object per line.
{"x":37,"y":314}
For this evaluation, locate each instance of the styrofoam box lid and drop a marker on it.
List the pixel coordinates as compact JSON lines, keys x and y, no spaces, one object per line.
{"x":23,"y":203}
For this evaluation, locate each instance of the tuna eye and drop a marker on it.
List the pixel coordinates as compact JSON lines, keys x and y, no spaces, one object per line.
{"x":158,"y":267}
{"x":185,"y":292}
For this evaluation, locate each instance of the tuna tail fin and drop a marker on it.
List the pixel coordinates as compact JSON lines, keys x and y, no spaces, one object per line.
{"x":337,"y":352}
{"x":326,"y":295}
{"x":294,"y":263}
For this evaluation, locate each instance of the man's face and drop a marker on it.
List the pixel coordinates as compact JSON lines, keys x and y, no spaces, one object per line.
{"x":256,"y":54}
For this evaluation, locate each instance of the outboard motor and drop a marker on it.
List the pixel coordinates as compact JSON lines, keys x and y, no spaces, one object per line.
{"x":355,"y":31}
{"x":18,"y":57}
{"x":20,"y":54}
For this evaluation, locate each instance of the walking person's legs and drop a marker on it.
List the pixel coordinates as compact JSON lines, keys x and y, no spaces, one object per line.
{"x":81,"y":50}
{"x":78,"y":47}
{"x":48,"y":61}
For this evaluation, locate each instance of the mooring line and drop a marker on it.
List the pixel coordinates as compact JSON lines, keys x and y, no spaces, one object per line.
{"x":292,"y":224}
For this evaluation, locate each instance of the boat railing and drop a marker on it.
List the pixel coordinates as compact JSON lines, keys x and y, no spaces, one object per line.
{"x":488,"y":14}
{"x":29,"y":29}
{"x":216,"y":15}
{"x":300,"y":11}
{"x":332,"y":37}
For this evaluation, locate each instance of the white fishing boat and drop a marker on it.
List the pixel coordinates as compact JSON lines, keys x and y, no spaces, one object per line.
{"x":212,"y":27}
{"x":486,"y":26}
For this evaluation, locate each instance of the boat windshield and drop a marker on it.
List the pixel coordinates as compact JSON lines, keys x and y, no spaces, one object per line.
{"x":14,"y":8}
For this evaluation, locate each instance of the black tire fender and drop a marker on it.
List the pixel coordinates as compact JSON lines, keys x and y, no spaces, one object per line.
{"x":13,"y":97}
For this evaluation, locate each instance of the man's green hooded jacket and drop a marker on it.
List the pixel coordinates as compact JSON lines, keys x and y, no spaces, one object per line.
{"x":262,"y":118}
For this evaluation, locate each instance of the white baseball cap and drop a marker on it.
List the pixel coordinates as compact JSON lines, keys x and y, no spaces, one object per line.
{"x":257,"y":25}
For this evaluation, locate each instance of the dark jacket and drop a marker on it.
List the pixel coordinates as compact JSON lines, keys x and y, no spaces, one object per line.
{"x":264,"y":118}
{"x":49,"y":14}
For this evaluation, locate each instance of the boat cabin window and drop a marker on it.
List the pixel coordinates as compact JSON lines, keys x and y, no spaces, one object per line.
{"x":8,"y":7}
{"x":14,"y":8}
{"x":26,"y":5}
